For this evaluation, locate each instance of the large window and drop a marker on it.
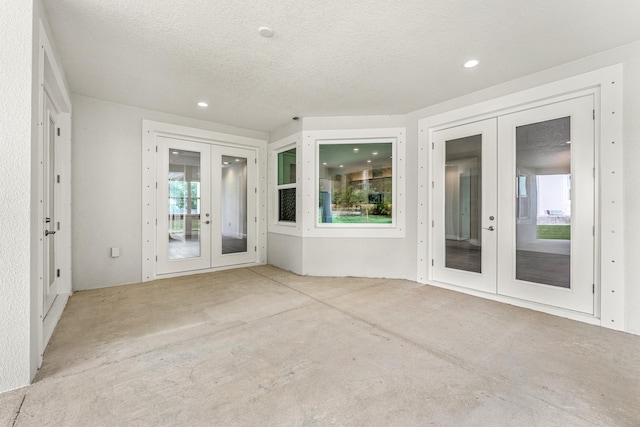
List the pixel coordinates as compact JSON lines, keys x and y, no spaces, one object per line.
{"x":287,"y":185}
{"x":355,"y":181}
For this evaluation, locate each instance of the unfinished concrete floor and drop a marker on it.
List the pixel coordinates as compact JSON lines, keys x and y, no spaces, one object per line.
{"x":264,"y":347}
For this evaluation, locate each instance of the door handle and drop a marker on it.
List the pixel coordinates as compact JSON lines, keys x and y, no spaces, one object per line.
{"x":47,"y":232}
{"x":490,"y":228}
{"x":207,"y":222}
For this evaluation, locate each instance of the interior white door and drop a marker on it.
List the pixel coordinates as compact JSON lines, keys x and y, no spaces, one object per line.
{"x":464,"y":205}
{"x":234,"y":206}
{"x":183,"y":205}
{"x":546,"y":202}
{"x":51,"y":223}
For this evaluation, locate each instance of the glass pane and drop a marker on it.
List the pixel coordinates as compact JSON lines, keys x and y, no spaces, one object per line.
{"x":356,"y":182}
{"x":543,"y":202}
{"x":463,"y":203}
{"x":184,"y":204}
{"x":287,"y":167}
{"x":234,"y":204}
{"x":287,"y":205}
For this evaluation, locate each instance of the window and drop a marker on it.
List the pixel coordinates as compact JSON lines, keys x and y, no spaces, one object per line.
{"x":355,"y":182}
{"x":287,"y":185}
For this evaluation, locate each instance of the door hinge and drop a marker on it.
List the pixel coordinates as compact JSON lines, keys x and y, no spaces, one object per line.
{"x":58,"y":226}
{"x":156,"y":221}
{"x":432,"y":263}
{"x":593,"y":230}
{"x":156,"y":148}
{"x":433,"y":145}
{"x":255,"y":219}
{"x":58,"y":179}
{"x":255,"y":249}
{"x":58,"y":273}
{"x":156,"y":185}
{"x":433,"y":223}
{"x":156,"y":258}
{"x":256,"y":190}
{"x":255,"y":161}
{"x":433,"y":184}
{"x":58,"y":131}
{"x":593,"y":288}
{"x":594,"y":114}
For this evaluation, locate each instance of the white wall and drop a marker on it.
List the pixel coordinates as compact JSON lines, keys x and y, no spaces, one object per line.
{"x":16,"y":30}
{"x":107,"y":188}
{"x":629,"y":56}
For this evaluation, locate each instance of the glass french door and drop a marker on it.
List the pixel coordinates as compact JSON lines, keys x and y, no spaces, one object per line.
{"x":546,"y":192}
{"x":464,"y":214}
{"x":206,"y":215}
{"x":51,"y":223}
{"x":513,"y":205}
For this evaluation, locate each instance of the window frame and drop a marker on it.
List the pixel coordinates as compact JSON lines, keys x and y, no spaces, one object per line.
{"x":279,"y":187}
{"x":275,"y":225}
{"x":311,"y":189}
{"x":393,"y":143}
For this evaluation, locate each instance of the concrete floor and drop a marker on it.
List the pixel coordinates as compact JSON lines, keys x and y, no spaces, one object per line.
{"x":260,"y":346}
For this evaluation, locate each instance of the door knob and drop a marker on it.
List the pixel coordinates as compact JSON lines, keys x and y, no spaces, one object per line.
{"x":490,"y":228}
{"x":47,"y":232}
{"x":207,"y":222}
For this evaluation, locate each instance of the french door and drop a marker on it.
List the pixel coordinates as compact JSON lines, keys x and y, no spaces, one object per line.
{"x":513,"y":205}
{"x":51,"y":222}
{"x":206,"y":205}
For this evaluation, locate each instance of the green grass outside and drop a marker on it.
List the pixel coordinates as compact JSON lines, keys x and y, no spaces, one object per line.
{"x":555,"y":232}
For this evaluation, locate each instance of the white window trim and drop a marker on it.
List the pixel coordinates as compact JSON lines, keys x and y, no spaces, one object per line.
{"x":606,"y":84}
{"x":310,"y":185}
{"x":276,"y":226}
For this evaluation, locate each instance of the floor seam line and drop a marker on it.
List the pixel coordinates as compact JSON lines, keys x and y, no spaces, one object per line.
{"x":435,"y":352}
{"x":15,"y":418}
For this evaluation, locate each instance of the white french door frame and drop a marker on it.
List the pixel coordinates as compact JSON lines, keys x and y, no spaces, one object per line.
{"x":606,"y":87}
{"x":485,"y":280}
{"x":151,"y":131}
{"x":52,"y":89}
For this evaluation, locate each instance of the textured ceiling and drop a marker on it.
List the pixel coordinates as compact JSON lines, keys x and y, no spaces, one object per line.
{"x":327,"y":58}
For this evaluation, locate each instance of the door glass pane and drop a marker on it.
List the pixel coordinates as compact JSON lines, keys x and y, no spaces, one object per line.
{"x":543,"y":202}
{"x":234,"y":204}
{"x":184,"y":204}
{"x":463,"y":203}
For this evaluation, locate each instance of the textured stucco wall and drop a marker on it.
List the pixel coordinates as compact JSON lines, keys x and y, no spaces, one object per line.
{"x":15,"y":201}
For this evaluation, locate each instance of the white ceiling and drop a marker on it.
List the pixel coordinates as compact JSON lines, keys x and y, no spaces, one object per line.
{"x":327,"y":58}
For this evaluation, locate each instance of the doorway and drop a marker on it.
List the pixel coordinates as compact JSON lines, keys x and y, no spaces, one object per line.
{"x":206,"y":205}
{"x":513,"y":205}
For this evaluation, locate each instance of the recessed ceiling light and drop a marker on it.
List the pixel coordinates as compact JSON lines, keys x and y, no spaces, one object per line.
{"x":368,"y":161}
{"x":471,"y":63}
{"x":237,"y":160}
{"x":375,"y":153}
{"x":265,"y":32}
{"x":225,"y":163}
{"x":202,"y":104}
{"x":341,"y":166}
{"x":175,"y":152}
{"x":355,"y":150}
{"x":324,"y":163}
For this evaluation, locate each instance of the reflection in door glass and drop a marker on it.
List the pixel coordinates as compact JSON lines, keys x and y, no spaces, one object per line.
{"x":234,"y":204}
{"x":463,"y":203}
{"x":543,"y":202}
{"x":184,"y":204}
